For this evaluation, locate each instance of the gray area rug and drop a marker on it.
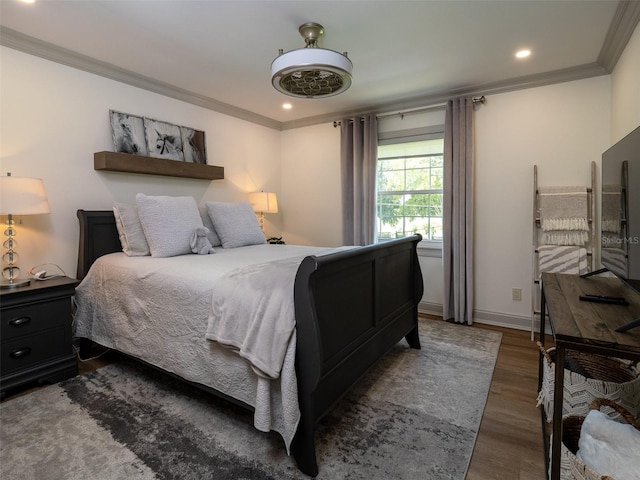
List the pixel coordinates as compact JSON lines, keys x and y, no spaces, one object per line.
{"x":414,"y":416}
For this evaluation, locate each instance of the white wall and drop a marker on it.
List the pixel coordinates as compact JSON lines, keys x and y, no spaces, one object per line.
{"x":625,"y":90}
{"x":560,"y":128}
{"x":53,"y":120}
{"x":311,"y":193}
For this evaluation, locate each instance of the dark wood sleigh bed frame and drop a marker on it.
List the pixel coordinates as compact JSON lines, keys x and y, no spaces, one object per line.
{"x":351,"y":307}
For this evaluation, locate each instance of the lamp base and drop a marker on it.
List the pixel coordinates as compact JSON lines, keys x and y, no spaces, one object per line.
{"x":15,"y":283}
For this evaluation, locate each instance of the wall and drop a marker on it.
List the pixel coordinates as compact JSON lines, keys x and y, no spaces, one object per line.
{"x":559,"y":127}
{"x":54,"y":118}
{"x":311,"y":195}
{"x":625,"y":90}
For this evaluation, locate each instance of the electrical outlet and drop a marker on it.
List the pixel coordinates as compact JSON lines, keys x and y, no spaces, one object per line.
{"x":516,"y":294}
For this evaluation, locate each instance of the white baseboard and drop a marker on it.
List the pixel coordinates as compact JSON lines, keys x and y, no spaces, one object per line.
{"x":517,"y":322}
{"x":430,"y":308}
{"x":502,"y":320}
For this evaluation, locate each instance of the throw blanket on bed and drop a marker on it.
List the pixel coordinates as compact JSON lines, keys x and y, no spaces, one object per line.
{"x":252,"y":311}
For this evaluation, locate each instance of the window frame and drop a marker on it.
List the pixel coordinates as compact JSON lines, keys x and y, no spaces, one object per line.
{"x":430,"y":248}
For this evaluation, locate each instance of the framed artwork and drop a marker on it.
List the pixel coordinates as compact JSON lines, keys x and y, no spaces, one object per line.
{"x":128,"y":133}
{"x":158,"y":139}
{"x":193,"y":145}
{"x":163,"y":140}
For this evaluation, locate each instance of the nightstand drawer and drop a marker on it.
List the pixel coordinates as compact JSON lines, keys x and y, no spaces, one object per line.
{"x":29,"y":350}
{"x":27,"y":319}
{"x":35,"y":333}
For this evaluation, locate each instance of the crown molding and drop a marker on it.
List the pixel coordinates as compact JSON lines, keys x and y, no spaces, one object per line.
{"x":530,"y":81}
{"x":624,"y":23}
{"x":33,"y":46}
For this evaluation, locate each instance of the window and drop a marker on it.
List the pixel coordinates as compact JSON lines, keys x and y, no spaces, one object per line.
{"x":409,"y":189}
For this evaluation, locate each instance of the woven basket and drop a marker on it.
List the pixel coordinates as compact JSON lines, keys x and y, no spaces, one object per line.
{"x":586,"y":377}
{"x":572,"y":468}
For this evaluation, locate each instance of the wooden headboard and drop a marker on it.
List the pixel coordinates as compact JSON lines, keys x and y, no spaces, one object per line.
{"x":98,"y":237}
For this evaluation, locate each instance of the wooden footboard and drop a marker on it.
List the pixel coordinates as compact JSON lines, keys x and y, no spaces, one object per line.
{"x":351,"y":308}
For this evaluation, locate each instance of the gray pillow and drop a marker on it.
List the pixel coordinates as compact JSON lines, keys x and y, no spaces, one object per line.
{"x":132,"y":238}
{"x":206,"y":220}
{"x":168,"y":223}
{"x":236,"y":224}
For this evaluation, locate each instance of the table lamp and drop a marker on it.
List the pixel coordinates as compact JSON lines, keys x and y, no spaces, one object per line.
{"x":18,"y":196}
{"x":263,"y":202}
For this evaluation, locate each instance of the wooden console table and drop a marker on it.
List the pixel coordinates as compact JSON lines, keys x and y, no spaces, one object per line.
{"x":585,"y":326}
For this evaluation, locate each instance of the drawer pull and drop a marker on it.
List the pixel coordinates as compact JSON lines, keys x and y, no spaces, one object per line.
{"x":20,"y":321}
{"x":21,"y":352}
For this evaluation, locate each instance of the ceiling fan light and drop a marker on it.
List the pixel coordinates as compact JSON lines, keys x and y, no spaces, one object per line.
{"x":311,"y":72}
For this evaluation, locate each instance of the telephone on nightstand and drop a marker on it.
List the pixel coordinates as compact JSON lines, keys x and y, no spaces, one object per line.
{"x":40,"y":273}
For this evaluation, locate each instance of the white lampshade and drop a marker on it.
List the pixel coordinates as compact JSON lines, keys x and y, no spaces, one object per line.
{"x":22,"y":196}
{"x":264,"y":202}
{"x":18,"y":196}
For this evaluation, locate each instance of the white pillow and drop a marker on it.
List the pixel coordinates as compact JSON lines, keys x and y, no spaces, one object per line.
{"x":168,"y":223}
{"x":132,"y":238}
{"x":609,"y":447}
{"x":236,"y":224}
{"x":206,"y":221}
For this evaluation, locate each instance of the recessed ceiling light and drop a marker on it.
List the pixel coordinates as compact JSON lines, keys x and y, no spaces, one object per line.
{"x":28,"y":1}
{"x":287,"y":106}
{"x":523,"y":53}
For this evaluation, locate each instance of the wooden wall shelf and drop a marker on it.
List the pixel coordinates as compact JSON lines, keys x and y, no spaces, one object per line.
{"x":126,"y":162}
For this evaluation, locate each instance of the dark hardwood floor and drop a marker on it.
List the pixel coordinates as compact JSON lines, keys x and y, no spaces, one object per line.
{"x":509,"y":444}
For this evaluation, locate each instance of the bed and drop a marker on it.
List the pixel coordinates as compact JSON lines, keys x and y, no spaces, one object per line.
{"x":350,"y":307}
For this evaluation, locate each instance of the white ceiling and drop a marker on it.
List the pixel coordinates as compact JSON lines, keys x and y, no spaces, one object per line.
{"x":405,"y":53}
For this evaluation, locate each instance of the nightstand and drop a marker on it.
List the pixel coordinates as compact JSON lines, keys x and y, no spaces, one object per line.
{"x":35,"y":332}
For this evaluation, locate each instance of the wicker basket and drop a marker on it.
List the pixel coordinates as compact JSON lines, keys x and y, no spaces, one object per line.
{"x":572,"y":468}
{"x":586,"y":377}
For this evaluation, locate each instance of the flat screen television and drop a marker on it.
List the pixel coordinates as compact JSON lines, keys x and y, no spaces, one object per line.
{"x":620,"y":210}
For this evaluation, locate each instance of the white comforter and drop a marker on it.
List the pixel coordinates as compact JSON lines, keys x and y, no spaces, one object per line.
{"x":157,"y":309}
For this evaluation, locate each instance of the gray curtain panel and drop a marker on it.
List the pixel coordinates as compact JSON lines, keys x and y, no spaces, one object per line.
{"x":457,"y":250}
{"x":358,"y":151}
